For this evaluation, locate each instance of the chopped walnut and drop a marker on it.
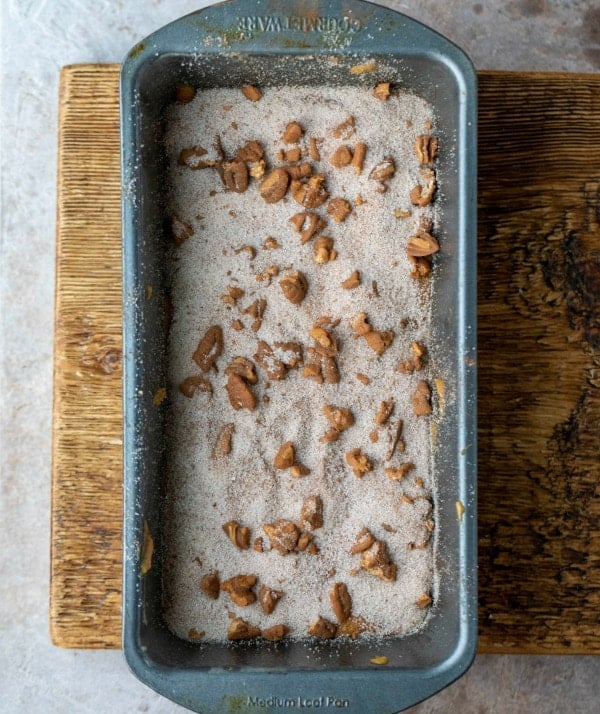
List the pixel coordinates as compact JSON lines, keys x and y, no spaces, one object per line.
{"x":341,"y":157}
{"x":294,"y":287}
{"x":252,"y":151}
{"x":270,"y":272}
{"x":237,"y":325}
{"x":243,"y":368}
{"x":352,"y":282}
{"x":235,"y":175}
{"x":210,"y":585}
{"x":340,"y":418}
{"x":358,"y":160}
{"x":384,"y":170}
{"x":379,"y":341}
{"x":421,"y":399}
{"x":421,"y":267}
{"x":375,"y":560}
{"x":194,"y":384}
{"x":194,"y":634}
{"x":424,"y":601}
{"x":271,"y":243}
{"x":304,"y":541}
{"x":353,"y":627}
{"x":311,"y":513}
{"x":323,"y":250}
{"x":339,"y":209}
{"x":233,"y":295}
{"x":384,"y":412}
{"x":416,"y":362}
{"x":284,"y":458}
{"x":240,"y":589}
{"x":290,"y":353}
{"x":192,"y":158}
{"x":422,"y":245}
{"x":275,"y":633}
{"x":401,"y":213}
{"x":251,"y":92}
{"x":283,"y":535}
{"x":299,"y":171}
{"x":358,"y":462}
{"x":250,"y":249}
{"x":397,"y":473}
{"x":258,"y":545}
{"x":293,"y":132}
{"x":224,"y":439}
{"x":209,"y":348}
{"x":426,"y":147}
{"x":240,"y":395}
{"x":292,"y":155}
{"x":313,"y":148}
{"x":266,"y":359}
{"x":298,"y":470}
{"x":256,"y":310}
{"x":341,"y":602}
{"x":307,"y":224}
{"x":274,"y":186}
{"x":269,"y":598}
{"x":311,"y":193}
{"x":382,"y":91}
{"x":323,"y":629}
{"x":345,"y":129}
{"x":180,"y":230}
{"x":360,"y":324}
{"x":422,"y":194}
{"x":363,"y":378}
{"x":237,"y":534}
{"x":325,"y":341}
{"x":364,"y":540}
{"x":241,"y":630}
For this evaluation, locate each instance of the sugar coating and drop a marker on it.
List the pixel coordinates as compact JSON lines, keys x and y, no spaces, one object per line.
{"x":203,"y":492}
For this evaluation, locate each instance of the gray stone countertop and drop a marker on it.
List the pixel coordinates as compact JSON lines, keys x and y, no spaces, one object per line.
{"x":38,"y":38}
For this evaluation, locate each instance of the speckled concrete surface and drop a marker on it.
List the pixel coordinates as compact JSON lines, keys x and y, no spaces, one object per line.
{"x":38,"y":37}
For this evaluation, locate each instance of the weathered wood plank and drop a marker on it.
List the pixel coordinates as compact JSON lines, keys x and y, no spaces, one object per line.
{"x":539,"y":340}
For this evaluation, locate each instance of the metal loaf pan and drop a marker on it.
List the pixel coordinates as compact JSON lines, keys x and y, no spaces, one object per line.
{"x":276,"y":42}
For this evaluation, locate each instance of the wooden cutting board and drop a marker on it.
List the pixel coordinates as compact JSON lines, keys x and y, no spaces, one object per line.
{"x":539,"y":364}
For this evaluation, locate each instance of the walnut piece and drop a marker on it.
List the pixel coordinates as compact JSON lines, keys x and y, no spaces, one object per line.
{"x":269,"y":598}
{"x":363,"y":378}
{"x":274,"y":186}
{"x":244,"y":368}
{"x":364,"y":540}
{"x":266,"y":359}
{"x":375,"y":560}
{"x":251,"y":92}
{"x":271,"y":243}
{"x":358,"y":462}
{"x":209,"y":348}
{"x":275,"y":633}
{"x":311,"y":193}
{"x":421,"y":267}
{"x":290,"y":353}
{"x":307,"y":224}
{"x":358,"y":159}
{"x":194,"y":384}
{"x":313,"y":148}
{"x":377,"y":340}
{"x":339,"y":209}
{"x":240,"y":589}
{"x":284,"y":458}
{"x":298,"y":470}
{"x":416,"y":362}
{"x":323,"y":250}
{"x":241,"y":630}
{"x":382,"y":91}
{"x":210,"y":585}
{"x":341,"y":602}
{"x":252,"y":151}
{"x":384,"y":412}
{"x":340,"y":418}
{"x":192,"y":158}
{"x":299,"y":171}
{"x":421,"y":399}
{"x":422,"y":194}
{"x":345,"y":129}
{"x":237,"y":534}
{"x":426,"y":147}
{"x":257,"y":311}
{"x":283,"y":535}
{"x":323,"y":629}
{"x":224,"y":439}
{"x":235,"y":176}
{"x":311,"y":513}
{"x":240,"y":395}
{"x":294,"y":287}
{"x":422,"y":245}
{"x":424,"y":601}
{"x":384,"y":170}
{"x":352,"y":281}
{"x":397,"y":473}
{"x":293,"y":132}
{"x":341,"y":157}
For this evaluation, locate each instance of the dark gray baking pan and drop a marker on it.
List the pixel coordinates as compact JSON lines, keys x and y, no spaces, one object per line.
{"x":287,"y":43}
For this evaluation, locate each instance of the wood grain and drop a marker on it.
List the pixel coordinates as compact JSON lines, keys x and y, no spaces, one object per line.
{"x":539,"y":342}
